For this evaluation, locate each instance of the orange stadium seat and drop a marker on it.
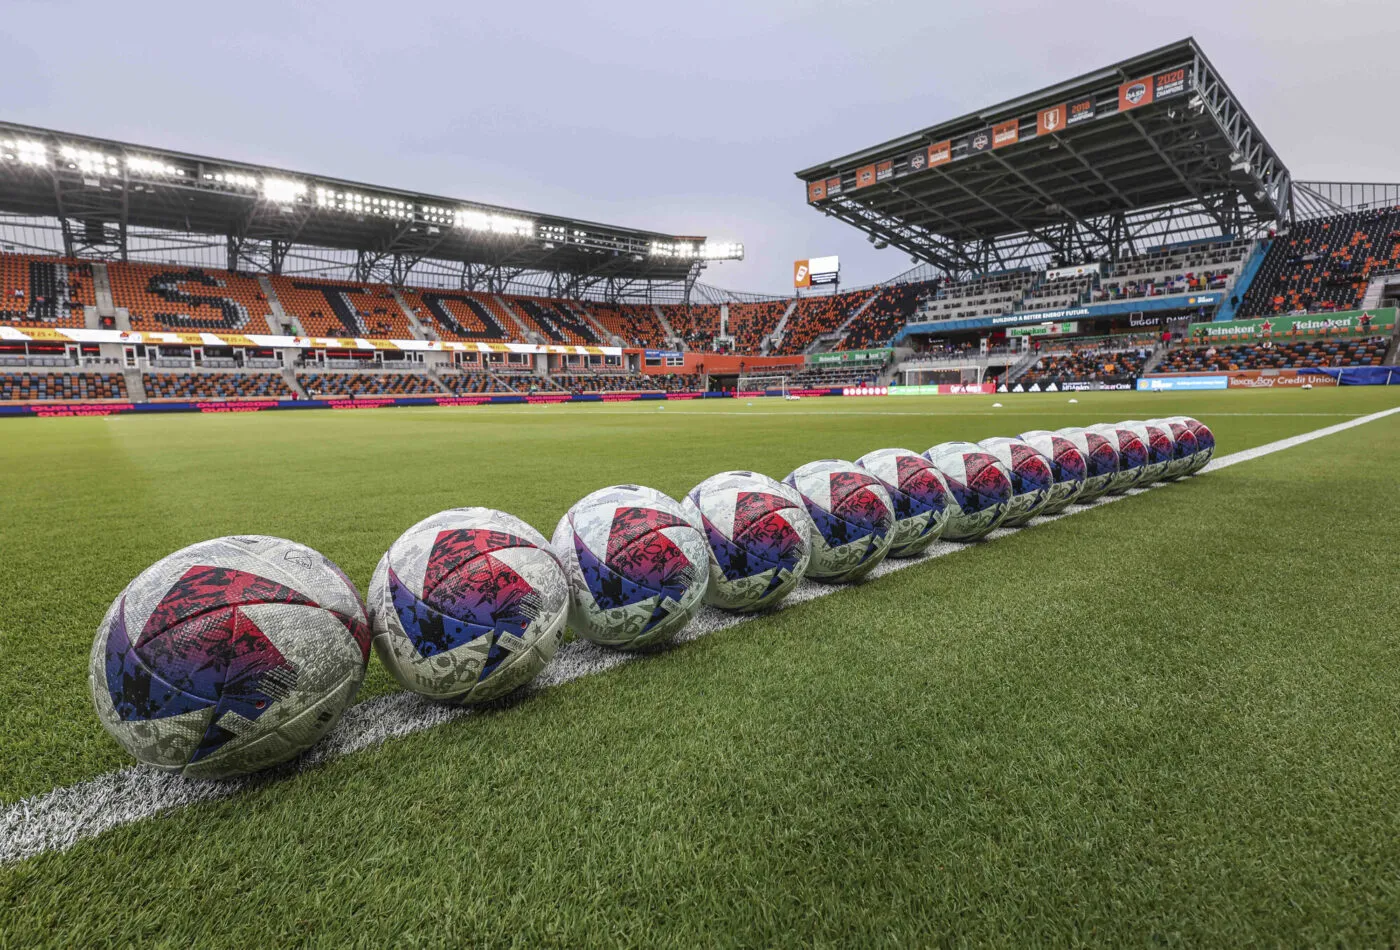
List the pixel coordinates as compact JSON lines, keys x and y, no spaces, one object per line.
{"x":342,"y":308}
{"x":167,"y":297}
{"x":44,"y":291}
{"x":460,"y":316}
{"x":814,"y":316}
{"x":750,"y":323}
{"x":368,"y":384}
{"x":635,"y":324}
{"x":17,"y":387}
{"x":556,"y":321}
{"x":216,"y":386}
{"x":1325,"y":264}
{"x":697,"y":325}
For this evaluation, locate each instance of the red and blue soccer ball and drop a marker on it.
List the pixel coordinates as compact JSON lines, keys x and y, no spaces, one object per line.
{"x":1184,"y":447}
{"x":1160,"y":450}
{"x":980,"y":485}
{"x":1205,"y":442}
{"x":1067,"y":465}
{"x":637,"y":567}
{"x":922,"y":501}
{"x":468,"y":605}
{"x":229,"y":656}
{"x":1132,"y":456}
{"x":759,"y":535}
{"x":1100,"y":461}
{"x":853,"y":516}
{"x":1031,"y":478}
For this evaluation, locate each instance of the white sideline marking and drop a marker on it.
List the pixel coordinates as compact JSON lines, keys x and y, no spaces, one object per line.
{"x":59,"y":819}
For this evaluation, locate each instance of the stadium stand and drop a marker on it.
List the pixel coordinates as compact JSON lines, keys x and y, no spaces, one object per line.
{"x":1303,"y":354}
{"x":368,"y":384}
{"x":216,"y":386}
{"x":832,"y":376}
{"x":885,"y":316}
{"x":555,"y":321}
{"x":1171,"y":270}
{"x":1325,"y":264}
{"x":697,"y":325}
{"x":460,"y":316}
{"x":634,"y":324}
{"x":61,"y":386}
{"x":814,"y":316}
{"x":750,"y":323}
{"x":472,"y":383}
{"x":987,"y":296}
{"x":166,"y":297}
{"x":1057,"y":294}
{"x":340,"y":308}
{"x":1086,"y":364}
{"x":606,"y":382}
{"x":44,"y":291}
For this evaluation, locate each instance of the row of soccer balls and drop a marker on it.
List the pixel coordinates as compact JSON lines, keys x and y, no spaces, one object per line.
{"x":236,"y":654}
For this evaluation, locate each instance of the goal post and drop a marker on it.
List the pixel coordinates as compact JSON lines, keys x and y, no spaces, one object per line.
{"x":752,"y":383}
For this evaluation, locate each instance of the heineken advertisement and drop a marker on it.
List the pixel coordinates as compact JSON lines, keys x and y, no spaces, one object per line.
{"x":881,"y":355}
{"x":1346,"y":323}
{"x":1045,"y":329}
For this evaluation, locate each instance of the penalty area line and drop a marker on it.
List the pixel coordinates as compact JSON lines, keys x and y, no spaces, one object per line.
{"x":59,"y":819}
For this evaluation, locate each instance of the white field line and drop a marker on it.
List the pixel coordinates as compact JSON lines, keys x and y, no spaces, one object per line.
{"x":59,"y":819}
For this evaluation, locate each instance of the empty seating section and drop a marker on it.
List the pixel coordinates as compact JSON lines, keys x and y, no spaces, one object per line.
{"x":634,"y":324}
{"x":1175,"y":270}
{"x":460,"y":316}
{"x":987,"y":296}
{"x":833,"y":376}
{"x":472,"y":383}
{"x":1057,"y":294}
{"x":1304,"y":354}
{"x":555,"y":321}
{"x":1085,"y":365}
{"x":61,"y":386}
{"x":697,"y":325}
{"x":168,"y":297}
{"x":44,"y":291}
{"x":606,"y":382}
{"x":1325,"y":264}
{"x":216,"y":386}
{"x":814,"y":316}
{"x":335,"y":308}
{"x":750,"y":323}
{"x":368,"y":384}
{"x":886,"y":316}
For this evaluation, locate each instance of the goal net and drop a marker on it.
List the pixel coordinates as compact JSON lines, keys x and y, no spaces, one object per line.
{"x":754,"y":383}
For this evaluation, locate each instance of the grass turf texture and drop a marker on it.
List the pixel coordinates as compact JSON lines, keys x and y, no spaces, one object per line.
{"x":1169,"y":720}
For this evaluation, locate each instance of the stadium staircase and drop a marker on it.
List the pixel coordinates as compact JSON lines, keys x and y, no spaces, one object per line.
{"x":603,"y":333}
{"x":290,"y":376}
{"x":1375,"y":292}
{"x":420,"y":332}
{"x":135,"y":385}
{"x":284,"y":319}
{"x":775,"y":339}
{"x":1234,"y":293}
{"x":671,"y":337}
{"x":1159,"y":352}
{"x":845,"y":327}
{"x":92,"y":320}
{"x":106,"y":306}
{"x":1018,"y":368}
{"x":525,"y":332}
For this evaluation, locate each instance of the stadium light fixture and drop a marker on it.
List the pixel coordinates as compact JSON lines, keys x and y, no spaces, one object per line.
{"x":24,"y":151}
{"x":151,"y":166}
{"x":689,"y":250}
{"x":88,"y":161}
{"x":282,"y":190}
{"x":473,"y":220}
{"x":233,"y":179}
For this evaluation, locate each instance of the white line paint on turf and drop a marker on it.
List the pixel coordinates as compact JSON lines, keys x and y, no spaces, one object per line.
{"x":59,"y":819}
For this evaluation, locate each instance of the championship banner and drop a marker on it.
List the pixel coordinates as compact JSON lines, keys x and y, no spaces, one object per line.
{"x":1171,"y":83}
{"x":1080,"y":111}
{"x":833,"y":186}
{"x":1137,"y":92}
{"x":979,"y":141}
{"x":849,"y":356}
{"x":1006,"y":133}
{"x":801,"y":274}
{"x":884,"y":170}
{"x":916,"y":161}
{"x":1347,"y":323}
{"x":1051,"y":120}
{"x":940,"y":153}
{"x":816,"y":190}
{"x":865,"y":176}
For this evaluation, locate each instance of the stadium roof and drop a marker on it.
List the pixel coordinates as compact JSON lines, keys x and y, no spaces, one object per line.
{"x":1073,"y":169}
{"x":100,"y":189}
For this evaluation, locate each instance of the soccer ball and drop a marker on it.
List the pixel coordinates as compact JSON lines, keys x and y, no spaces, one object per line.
{"x":1100,"y":461}
{"x":229,"y":656}
{"x":922,"y":502}
{"x":468,"y":605}
{"x":1031,"y":478}
{"x":1183,"y":446}
{"x":853,"y":516}
{"x":980,"y":485}
{"x":1160,"y":449}
{"x":1205,"y":443}
{"x":759,"y":534}
{"x":637,"y":566}
{"x":1132,"y":456}
{"x":1067,"y":465}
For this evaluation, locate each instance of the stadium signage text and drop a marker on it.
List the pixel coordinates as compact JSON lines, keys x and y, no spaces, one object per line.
{"x":1171,"y":383}
{"x":879,"y":355}
{"x":1045,"y":329}
{"x":1380,"y":320}
{"x":1076,"y":270}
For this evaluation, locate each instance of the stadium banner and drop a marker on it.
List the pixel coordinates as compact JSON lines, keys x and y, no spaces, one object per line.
{"x":940,"y":153}
{"x":1051,"y":120}
{"x":1174,"y":383}
{"x":944,"y":389}
{"x":1171,"y":83}
{"x":1088,"y":311}
{"x":1081,"y":110}
{"x":884,"y":171}
{"x":916,"y":162}
{"x":833,"y":186}
{"x":1006,"y":133}
{"x":1278,"y":379}
{"x":1347,"y":322}
{"x":1074,"y":270}
{"x":865,"y":176}
{"x":1362,"y":375}
{"x":662,"y":354}
{"x":880,"y":355}
{"x":1045,"y":329}
{"x":801,"y":274}
{"x":816,"y":191}
{"x":979,"y":141}
{"x":1071,"y":386}
{"x":1134,"y":93}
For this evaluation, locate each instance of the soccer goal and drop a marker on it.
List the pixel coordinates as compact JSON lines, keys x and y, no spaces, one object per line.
{"x":765,"y":383}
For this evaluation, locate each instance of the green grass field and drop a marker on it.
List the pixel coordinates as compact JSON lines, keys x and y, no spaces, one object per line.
{"x":1168,"y":721}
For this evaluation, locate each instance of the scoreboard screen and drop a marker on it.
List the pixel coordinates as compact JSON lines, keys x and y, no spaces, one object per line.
{"x":816,"y":271}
